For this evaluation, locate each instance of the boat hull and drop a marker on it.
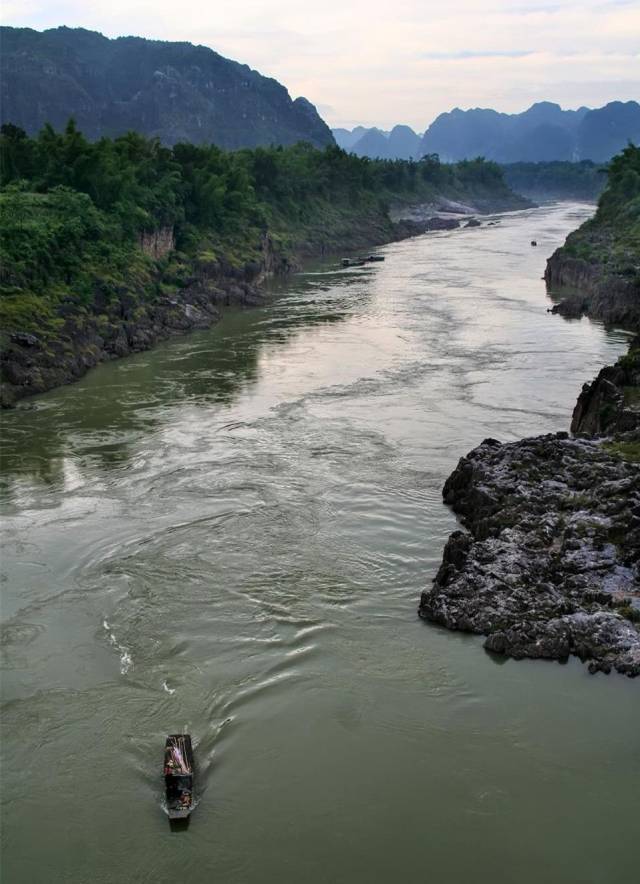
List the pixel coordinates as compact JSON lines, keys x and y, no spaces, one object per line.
{"x":181,"y":814}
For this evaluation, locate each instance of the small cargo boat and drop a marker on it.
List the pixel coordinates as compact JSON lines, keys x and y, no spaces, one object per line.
{"x":359,"y":261}
{"x":178,"y":775}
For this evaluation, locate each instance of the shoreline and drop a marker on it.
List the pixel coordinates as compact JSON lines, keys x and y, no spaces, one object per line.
{"x":33,"y":364}
{"x":549,"y":564}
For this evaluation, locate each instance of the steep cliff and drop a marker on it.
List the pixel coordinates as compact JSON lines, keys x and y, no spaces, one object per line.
{"x":593,"y":289}
{"x":597,"y":271}
{"x":175,"y":91}
{"x":610,"y":404}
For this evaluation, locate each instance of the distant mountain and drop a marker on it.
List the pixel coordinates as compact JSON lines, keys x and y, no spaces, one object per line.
{"x":373,"y":143}
{"x":605,"y":131}
{"x":346,"y":138}
{"x":542,"y":133}
{"x":175,"y":91}
{"x":404,"y":144}
{"x":401,"y":143}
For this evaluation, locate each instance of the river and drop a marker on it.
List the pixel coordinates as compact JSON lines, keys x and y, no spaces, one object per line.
{"x":229,"y":534}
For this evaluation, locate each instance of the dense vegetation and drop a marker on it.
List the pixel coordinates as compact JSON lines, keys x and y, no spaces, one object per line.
{"x":612,"y":237}
{"x":73,"y":210}
{"x":557,"y":180}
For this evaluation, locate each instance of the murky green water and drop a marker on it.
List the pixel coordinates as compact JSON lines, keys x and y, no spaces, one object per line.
{"x":230,"y":535}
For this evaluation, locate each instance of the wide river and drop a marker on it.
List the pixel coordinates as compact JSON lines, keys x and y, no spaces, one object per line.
{"x":230,"y":534}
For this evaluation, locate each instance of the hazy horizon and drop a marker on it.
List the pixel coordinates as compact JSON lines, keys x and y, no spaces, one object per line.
{"x":371,"y":65}
{"x":420,"y":130}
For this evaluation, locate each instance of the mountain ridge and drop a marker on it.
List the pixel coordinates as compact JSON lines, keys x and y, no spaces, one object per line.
{"x":543,"y":132}
{"x":175,"y":91}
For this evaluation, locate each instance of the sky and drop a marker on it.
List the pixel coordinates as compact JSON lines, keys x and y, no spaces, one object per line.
{"x":397,"y":61}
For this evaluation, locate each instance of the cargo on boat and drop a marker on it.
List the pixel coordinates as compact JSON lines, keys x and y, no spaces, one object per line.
{"x":178,"y":775}
{"x":358,"y":262}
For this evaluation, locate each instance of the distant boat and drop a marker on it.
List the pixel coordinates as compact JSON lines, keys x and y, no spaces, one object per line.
{"x":533,"y":242}
{"x":178,"y":775}
{"x":358,"y":262}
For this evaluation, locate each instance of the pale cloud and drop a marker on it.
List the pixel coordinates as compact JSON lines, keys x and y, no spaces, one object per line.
{"x":379,"y":63}
{"x":481,"y":53}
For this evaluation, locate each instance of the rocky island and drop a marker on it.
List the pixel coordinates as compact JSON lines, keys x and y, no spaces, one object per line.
{"x":549,"y":565}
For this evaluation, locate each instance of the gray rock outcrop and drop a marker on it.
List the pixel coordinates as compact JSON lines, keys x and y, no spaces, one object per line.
{"x":551,"y":564}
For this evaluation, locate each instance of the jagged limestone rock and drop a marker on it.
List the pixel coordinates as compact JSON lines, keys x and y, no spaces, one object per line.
{"x":551,"y":564}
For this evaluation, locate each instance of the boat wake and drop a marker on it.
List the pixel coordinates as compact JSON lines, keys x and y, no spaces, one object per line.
{"x":126,"y":660}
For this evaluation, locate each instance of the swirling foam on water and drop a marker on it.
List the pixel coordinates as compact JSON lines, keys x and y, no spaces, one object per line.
{"x":126,"y":660}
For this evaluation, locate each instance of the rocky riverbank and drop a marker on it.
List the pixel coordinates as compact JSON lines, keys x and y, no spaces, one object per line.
{"x":550,"y":564}
{"x":610,"y":404}
{"x":110,"y":245}
{"x":35,"y":361}
{"x":445,"y":214}
{"x":591,"y":289}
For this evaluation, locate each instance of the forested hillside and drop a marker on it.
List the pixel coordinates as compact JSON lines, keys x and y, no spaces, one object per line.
{"x":557,"y":180}
{"x":600,"y":261}
{"x":610,"y":240}
{"x":117,"y":242}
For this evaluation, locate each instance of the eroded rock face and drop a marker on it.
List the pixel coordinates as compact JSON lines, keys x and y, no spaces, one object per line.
{"x":590,"y":290}
{"x":128,"y":324}
{"x":611,"y":402}
{"x":551,"y":564}
{"x":157,"y":243}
